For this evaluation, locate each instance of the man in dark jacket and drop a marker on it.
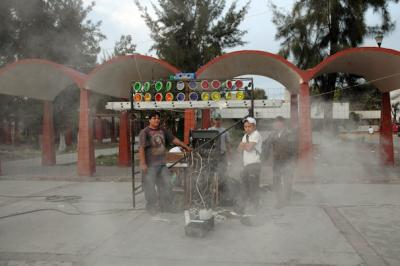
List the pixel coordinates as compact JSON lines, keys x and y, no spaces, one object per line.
{"x":282,"y":143}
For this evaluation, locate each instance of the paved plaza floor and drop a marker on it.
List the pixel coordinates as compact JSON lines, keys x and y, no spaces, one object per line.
{"x":326,"y":224}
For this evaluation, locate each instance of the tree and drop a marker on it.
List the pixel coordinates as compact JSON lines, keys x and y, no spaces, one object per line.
{"x":189,"y":33}
{"x":315,"y":29}
{"x":54,"y":30}
{"x":124,"y":46}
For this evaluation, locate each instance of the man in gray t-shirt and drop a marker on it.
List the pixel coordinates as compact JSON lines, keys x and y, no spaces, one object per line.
{"x":223,"y":146}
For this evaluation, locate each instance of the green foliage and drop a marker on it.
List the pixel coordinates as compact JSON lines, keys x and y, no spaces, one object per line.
{"x":189,"y":33}
{"x":259,"y":94}
{"x":316,"y":29}
{"x":58,"y":31}
{"x":124,"y":46}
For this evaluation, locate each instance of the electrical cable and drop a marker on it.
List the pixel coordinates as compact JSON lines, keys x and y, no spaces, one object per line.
{"x":358,"y":85}
{"x":66,"y":199}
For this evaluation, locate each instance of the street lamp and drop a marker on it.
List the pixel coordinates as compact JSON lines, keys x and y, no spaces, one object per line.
{"x":379,"y":38}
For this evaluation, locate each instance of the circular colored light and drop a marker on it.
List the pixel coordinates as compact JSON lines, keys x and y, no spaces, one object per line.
{"x":228,"y":84}
{"x":169,"y":97}
{"x":205,"y":85}
{"x":215,"y":84}
{"x":158,"y":97}
{"x":147,"y":97}
{"x":180,"y":96}
{"x":180,"y":85}
{"x":216,"y":96}
{"x":192,"y":85}
{"x":168,"y":86}
{"x":193,"y":96}
{"x":240,"y":95}
{"x":238,"y":84}
{"x":159,"y":85}
{"x":228,"y":95}
{"x":146,"y":86}
{"x":205,"y":96}
{"x":137,"y":97}
{"x":137,"y":86}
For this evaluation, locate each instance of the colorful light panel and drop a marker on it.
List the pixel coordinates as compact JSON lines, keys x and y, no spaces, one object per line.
{"x":228,"y":84}
{"x":168,"y":86}
{"x":205,"y":85}
{"x":228,"y":95}
{"x":193,"y":96}
{"x":240,"y":95}
{"x":215,"y":96}
{"x":180,"y":85}
{"x":215,"y":84}
{"x":239,"y":84}
{"x":146,"y":86}
{"x":192,"y":85}
{"x":147,"y":97}
{"x":137,"y":86}
{"x":180,"y":96}
{"x":137,"y":97}
{"x":169,"y":97}
{"x":159,"y":85}
{"x":158,"y":97}
{"x":205,"y":96}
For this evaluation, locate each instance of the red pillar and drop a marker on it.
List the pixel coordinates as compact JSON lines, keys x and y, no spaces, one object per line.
{"x":205,"y":118}
{"x":124,"y":156}
{"x":86,"y":160}
{"x":99,"y":129}
{"x":294,"y":111}
{"x":189,"y":124}
{"x":385,"y":133}
{"x":305,"y":166}
{"x":48,"y":145}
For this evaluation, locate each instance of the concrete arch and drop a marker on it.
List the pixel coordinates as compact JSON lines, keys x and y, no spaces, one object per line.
{"x":114,"y":77}
{"x":379,"y":65}
{"x":254,"y":62}
{"x":38,"y":79}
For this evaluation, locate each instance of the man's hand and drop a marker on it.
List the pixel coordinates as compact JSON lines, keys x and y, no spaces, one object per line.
{"x":143,"y":168}
{"x":187,"y":148}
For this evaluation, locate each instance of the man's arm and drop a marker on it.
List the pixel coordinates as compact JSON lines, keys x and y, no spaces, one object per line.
{"x":142,"y":160}
{"x":178,"y":142}
{"x":246,"y":146}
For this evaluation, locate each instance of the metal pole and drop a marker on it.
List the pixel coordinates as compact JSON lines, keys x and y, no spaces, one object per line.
{"x":132,"y":148}
{"x":252,"y":98}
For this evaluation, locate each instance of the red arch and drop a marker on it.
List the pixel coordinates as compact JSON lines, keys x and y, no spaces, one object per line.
{"x":251,"y":52}
{"x":313,"y":72}
{"x":77,"y":77}
{"x":129,"y":57}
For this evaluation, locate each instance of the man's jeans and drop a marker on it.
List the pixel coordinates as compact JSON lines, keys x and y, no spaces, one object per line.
{"x":250,"y":184}
{"x":159,"y":176}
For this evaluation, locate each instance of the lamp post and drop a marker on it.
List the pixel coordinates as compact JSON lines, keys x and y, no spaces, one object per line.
{"x":379,"y":38}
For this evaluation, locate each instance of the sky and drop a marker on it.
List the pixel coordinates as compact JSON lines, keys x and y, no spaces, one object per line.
{"x":123,"y":17}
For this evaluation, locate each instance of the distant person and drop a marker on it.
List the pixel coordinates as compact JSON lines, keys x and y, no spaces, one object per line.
{"x":282,"y":144}
{"x":370,"y":130}
{"x":223,"y":146}
{"x":250,"y":146}
{"x":152,"y":149}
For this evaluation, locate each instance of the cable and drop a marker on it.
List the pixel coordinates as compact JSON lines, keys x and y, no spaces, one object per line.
{"x":37,"y":210}
{"x":358,"y":85}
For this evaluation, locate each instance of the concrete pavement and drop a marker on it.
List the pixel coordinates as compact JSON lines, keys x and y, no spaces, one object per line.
{"x":327,"y":224}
